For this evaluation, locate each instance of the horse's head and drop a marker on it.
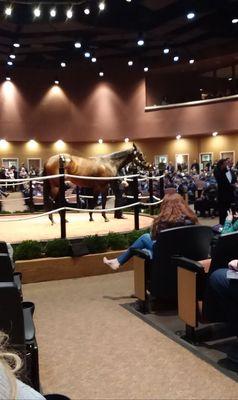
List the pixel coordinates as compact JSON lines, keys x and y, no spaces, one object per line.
{"x":138,"y":158}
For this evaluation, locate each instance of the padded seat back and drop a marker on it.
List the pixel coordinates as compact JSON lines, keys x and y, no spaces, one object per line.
{"x":3,"y":247}
{"x":6,"y":272}
{"x":11,"y":314}
{"x":225,"y":250}
{"x":187,"y":241}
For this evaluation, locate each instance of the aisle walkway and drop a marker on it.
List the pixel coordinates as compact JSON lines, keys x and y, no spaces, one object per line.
{"x":92,"y":348}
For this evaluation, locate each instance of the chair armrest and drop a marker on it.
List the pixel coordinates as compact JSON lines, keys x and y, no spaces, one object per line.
{"x":29,"y":326}
{"x":187,"y":263}
{"x":141,"y":254}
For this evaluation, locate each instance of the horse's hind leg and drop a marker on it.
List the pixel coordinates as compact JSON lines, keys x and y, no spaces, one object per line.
{"x":51,"y":219}
{"x":104,"y":200}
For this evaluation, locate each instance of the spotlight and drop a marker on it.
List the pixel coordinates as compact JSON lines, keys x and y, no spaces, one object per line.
{"x":191,"y":61}
{"x":214,"y":134}
{"x":166,"y":50}
{"x":146,"y":69}
{"x":8,"y":78}
{"x":230,"y":79}
{"x":9,"y":63}
{"x":178,"y":137}
{"x":126,"y":140}
{"x":130,"y":63}
{"x":69,"y":13}
{"x":16,"y":45}
{"x":37,"y":12}
{"x":77,"y":45}
{"x":8,"y":11}
{"x":190,"y":15}
{"x":101,"y":74}
{"x":87,"y":54}
{"x":56,"y":82}
{"x":12,"y":56}
{"x":63,"y":64}
{"x":53,"y":12}
{"x":140,"y":42}
{"x":176,"y":58}
{"x":235,"y":20}
{"x":86,"y":11}
{"x":101,"y":6}
{"x":128,"y":1}
{"x":93,"y":59}
{"x":100,"y":141}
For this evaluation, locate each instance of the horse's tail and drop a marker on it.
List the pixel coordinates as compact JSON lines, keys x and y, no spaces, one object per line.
{"x":48,"y":202}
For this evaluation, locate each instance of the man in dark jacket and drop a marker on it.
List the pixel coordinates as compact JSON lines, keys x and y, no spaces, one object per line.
{"x":226,"y":180}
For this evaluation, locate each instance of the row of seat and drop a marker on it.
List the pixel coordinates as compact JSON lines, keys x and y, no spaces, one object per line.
{"x":16,"y":318}
{"x":174,"y":277}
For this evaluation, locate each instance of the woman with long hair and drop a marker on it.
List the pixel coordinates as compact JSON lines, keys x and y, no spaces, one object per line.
{"x":12,"y":388}
{"x":174,"y":212}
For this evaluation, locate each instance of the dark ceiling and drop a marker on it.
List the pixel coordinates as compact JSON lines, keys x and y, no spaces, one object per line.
{"x":113,"y":33}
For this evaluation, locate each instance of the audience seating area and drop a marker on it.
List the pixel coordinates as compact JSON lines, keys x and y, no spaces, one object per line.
{"x":16,"y":318}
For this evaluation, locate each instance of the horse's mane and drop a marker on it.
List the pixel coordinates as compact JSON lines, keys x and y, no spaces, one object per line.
{"x":118,"y":154}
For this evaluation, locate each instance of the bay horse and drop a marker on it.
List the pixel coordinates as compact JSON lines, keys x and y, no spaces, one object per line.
{"x":100,"y":166}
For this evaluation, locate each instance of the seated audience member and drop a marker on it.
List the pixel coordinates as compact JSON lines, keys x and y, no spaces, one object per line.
{"x":221,"y":302}
{"x":10,"y":386}
{"x":231,"y":222}
{"x":174,"y":212}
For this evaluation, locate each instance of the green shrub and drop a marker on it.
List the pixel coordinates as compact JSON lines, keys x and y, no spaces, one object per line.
{"x":117,"y":241}
{"x":134,"y":235}
{"x":96,"y":244}
{"x":57,"y":248}
{"x":28,"y":250}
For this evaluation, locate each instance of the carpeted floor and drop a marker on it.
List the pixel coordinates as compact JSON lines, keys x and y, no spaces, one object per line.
{"x":92,"y":348}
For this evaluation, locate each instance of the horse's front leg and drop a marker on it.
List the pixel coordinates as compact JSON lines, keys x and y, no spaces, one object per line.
{"x":104,"y":200}
{"x":51,"y":218}
{"x":92,"y":203}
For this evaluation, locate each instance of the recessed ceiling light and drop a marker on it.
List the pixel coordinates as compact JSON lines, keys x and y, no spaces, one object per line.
{"x":166,"y":50}
{"x":176,"y":58}
{"x":127,"y":139}
{"x":190,"y":15}
{"x":9,"y":63}
{"x":178,"y":137}
{"x":214,"y":133}
{"x":86,"y":11}
{"x":235,"y":20}
{"x":146,"y":69}
{"x":100,"y":141}
{"x":69,"y":13}
{"x":8,"y":78}
{"x":56,"y":82}
{"x":53,"y":12}
{"x":128,"y":1}
{"x":130,"y":63}
{"x":101,"y":6}
{"x":191,"y":61}
{"x":87,"y":54}
{"x":16,"y":45}
{"x":140,"y":42}
{"x":63,"y":64}
{"x":93,"y":59}
{"x":37,"y":12}
{"x":8,"y":11}
{"x":230,"y":79}
{"x":12,"y":56}
{"x":77,"y":45}
{"x":101,"y":73}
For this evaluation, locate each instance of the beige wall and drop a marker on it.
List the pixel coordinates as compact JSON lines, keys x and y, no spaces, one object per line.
{"x":150,"y":147}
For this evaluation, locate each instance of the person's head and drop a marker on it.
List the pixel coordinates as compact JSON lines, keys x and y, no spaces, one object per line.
{"x":222,"y":164}
{"x":173,"y":208}
{"x":11,"y":364}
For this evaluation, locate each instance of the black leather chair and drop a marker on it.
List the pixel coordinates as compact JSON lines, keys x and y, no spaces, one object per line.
{"x":192,"y":282}
{"x":157,"y":278}
{"x":6,"y":272}
{"x":16,"y":319}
